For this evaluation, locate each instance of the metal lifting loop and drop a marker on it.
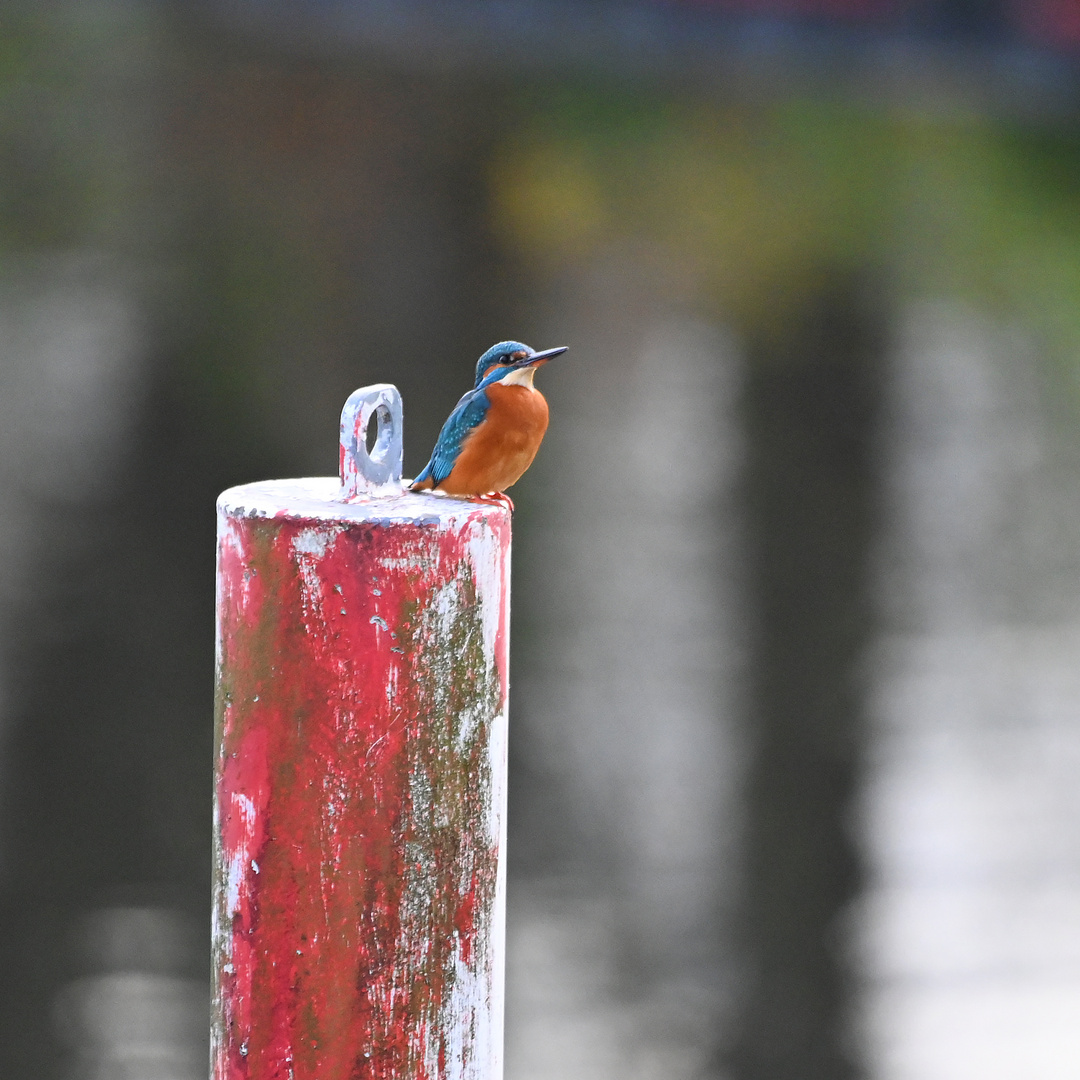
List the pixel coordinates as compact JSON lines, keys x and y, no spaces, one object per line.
{"x":374,"y":474}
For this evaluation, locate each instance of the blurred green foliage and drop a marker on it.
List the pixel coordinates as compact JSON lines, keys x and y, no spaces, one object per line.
{"x":109,"y":140}
{"x":746,"y":206}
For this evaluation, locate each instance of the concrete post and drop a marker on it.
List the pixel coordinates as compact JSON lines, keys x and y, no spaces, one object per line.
{"x":359,"y":877}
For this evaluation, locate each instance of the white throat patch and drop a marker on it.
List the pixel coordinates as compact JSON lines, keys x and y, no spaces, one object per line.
{"x":522,"y":377}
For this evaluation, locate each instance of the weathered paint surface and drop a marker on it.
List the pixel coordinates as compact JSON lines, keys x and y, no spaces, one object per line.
{"x":360,"y":788}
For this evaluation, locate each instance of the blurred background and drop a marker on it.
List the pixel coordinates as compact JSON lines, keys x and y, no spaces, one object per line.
{"x":796,"y":707}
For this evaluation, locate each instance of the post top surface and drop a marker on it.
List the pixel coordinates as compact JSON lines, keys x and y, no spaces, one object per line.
{"x":318,"y":498}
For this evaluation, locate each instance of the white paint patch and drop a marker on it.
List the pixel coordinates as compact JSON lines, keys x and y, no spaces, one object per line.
{"x":315,"y":542}
{"x":492,"y":579}
{"x":475,"y":1045}
{"x":410,"y":562}
{"x":240,"y":859}
{"x":233,"y":885}
{"x":231,"y":543}
{"x":310,"y":547}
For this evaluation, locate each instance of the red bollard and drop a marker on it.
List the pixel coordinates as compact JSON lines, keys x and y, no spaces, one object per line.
{"x":359,"y":878}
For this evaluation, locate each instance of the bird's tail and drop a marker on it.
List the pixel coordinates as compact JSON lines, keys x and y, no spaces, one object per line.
{"x":423,"y":482}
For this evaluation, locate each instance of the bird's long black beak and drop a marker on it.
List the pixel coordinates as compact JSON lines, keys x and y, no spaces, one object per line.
{"x":542,"y":357}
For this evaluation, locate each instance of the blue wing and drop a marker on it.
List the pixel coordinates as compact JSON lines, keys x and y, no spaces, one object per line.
{"x":467,"y":414}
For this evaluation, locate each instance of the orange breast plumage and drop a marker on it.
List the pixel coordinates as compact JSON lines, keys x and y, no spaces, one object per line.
{"x":499,"y":450}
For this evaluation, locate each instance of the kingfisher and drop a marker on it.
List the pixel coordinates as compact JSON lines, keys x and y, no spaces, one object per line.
{"x":492,"y":436}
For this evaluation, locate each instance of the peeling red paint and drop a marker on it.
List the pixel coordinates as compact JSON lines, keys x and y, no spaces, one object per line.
{"x":362,"y":677}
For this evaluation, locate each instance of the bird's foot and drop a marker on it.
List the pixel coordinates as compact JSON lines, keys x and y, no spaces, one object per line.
{"x":499,"y":497}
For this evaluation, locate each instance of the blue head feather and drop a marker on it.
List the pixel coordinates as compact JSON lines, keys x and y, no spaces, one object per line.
{"x":497,"y":354}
